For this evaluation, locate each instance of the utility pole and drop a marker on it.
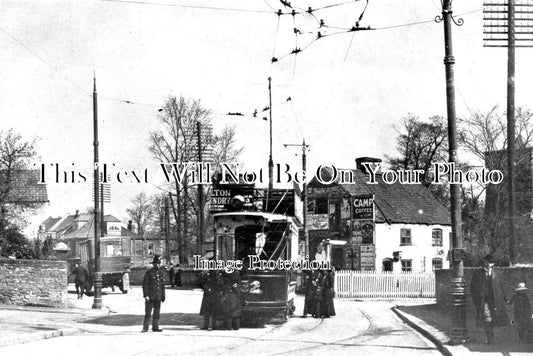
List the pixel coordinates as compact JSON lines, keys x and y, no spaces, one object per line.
{"x":97,"y":278}
{"x":305,"y":148}
{"x":458,"y":330}
{"x":167,"y":230}
{"x":201,"y":217}
{"x":499,"y":29}
{"x":270,"y":161}
{"x":511,"y":164}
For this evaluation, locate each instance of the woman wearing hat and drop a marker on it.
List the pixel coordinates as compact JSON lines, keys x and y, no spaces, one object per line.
{"x":522,"y":312}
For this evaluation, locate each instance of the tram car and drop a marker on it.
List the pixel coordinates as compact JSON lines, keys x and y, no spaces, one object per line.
{"x":115,"y":261}
{"x":254,"y":231}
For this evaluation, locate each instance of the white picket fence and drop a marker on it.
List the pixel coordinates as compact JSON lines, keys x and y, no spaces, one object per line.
{"x":370,"y":284}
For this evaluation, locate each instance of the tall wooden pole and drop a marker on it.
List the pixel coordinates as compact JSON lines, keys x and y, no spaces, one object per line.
{"x":304,"y":192}
{"x":97,"y":302}
{"x":201,"y":217}
{"x":511,"y":166}
{"x":458,"y":330}
{"x":167,"y":230}
{"x":270,"y":161}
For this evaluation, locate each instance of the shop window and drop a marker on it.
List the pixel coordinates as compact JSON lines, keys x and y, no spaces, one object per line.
{"x":436,"y":263}
{"x":405,"y":237}
{"x":407,"y":265}
{"x":436,"y":237}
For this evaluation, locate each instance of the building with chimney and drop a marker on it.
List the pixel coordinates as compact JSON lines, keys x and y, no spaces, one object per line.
{"x":382,"y":227}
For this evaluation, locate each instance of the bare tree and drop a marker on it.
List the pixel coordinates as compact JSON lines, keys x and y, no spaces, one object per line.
{"x":174,"y":142}
{"x":484,"y":136}
{"x":420,"y":144}
{"x":225,"y":147}
{"x":141,"y":213}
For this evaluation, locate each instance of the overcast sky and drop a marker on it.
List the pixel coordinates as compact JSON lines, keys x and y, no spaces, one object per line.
{"x":345,"y":98}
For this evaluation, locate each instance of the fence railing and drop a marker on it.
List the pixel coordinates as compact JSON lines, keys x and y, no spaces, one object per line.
{"x":370,"y":284}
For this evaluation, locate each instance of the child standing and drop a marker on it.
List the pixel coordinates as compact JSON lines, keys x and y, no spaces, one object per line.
{"x":522,"y":312}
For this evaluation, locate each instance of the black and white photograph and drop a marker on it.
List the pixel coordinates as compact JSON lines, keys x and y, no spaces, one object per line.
{"x":266,"y":177}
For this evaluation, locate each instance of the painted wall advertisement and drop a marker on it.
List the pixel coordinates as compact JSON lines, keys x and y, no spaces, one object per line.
{"x":363,"y":230}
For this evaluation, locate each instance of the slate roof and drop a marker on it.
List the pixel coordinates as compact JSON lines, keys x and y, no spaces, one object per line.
{"x":49,"y":223}
{"x":87,"y":230}
{"x":64,"y":224}
{"x":396,"y":203}
{"x":24,"y":187}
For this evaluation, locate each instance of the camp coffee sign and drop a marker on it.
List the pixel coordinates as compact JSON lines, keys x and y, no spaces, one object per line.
{"x":363,"y":207}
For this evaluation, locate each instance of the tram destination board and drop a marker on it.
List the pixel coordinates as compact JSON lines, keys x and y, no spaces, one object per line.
{"x":231,"y":197}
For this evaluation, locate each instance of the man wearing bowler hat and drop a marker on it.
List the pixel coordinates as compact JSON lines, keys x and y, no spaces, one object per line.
{"x":154,"y":294}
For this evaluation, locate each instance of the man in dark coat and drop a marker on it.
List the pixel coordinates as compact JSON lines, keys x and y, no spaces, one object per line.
{"x":231,"y":300}
{"x":177,"y":275}
{"x":211,"y":306}
{"x":81,"y":276}
{"x":154,"y":294}
{"x":171,"y":274}
{"x":310,"y":286}
{"x":489,"y":298}
{"x":522,"y":313}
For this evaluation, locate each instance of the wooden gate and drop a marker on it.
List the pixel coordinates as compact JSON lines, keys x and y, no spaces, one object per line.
{"x":371,"y":284}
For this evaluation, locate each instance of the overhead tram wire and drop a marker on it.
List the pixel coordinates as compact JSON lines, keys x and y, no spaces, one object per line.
{"x":353,"y":34}
{"x":70,"y":81}
{"x":20,"y":43}
{"x":344,"y":30}
{"x":189,"y":6}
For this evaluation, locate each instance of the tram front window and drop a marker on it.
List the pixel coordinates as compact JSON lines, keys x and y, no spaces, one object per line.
{"x":267,"y":242}
{"x":225,"y":249}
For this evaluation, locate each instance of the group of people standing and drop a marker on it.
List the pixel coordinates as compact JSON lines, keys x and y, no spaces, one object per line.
{"x":174,"y":275}
{"x":319,"y":294}
{"x":221,"y":299}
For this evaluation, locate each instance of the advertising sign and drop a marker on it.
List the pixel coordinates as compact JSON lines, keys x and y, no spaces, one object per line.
{"x":230,"y":197}
{"x":318,"y":221}
{"x":363,"y":207}
{"x":368,"y":257}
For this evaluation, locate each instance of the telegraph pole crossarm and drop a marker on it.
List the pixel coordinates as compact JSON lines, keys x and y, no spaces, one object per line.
{"x":458,"y":329}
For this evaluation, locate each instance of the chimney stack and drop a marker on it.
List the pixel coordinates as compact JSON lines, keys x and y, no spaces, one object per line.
{"x":360,"y":160}
{"x":130,"y":225}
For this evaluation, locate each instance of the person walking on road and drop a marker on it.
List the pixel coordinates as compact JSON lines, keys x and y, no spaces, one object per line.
{"x":310,"y":286}
{"x":171,"y":274}
{"x":211,"y":306}
{"x":154,"y":294}
{"x":81,"y":277}
{"x":328,"y":307}
{"x":489,"y":298}
{"x":177,"y":275}
{"x":522,"y":313}
{"x":231,"y":300}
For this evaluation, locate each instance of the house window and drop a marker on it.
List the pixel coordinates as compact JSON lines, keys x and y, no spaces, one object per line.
{"x":436,"y":237}
{"x":437,"y":263}
{"x":407,"y":265}
{"x":405,"y":236}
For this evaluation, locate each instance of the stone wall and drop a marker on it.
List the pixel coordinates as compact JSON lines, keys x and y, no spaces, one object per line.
{"x":33,"y":282}
{"x":510,"y":277}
